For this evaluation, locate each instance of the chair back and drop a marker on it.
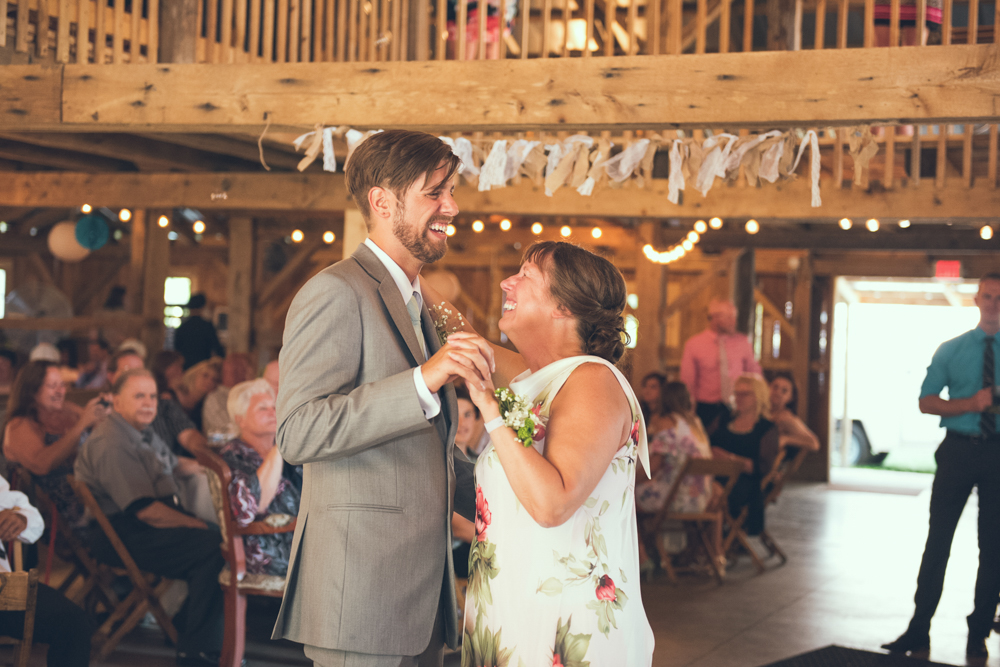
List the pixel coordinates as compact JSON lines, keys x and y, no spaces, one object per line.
{"x":787,"y":464}
{"x":83,"y":492}
{"x":726,"y":471}
{"x":19,"y":592}
{"x":219,"y":477}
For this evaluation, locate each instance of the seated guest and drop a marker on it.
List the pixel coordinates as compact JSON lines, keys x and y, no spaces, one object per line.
{"x":649,"y":393}
{"x":258,"y":487}
{"x":236,"y":368}
{"x":94,"y":373}
{"x":744,"y":437}
{"x":676,"y":434}
{"x":783,"y":400}
{"x":43,"y":432}
{"x":129,"y":473}
{"x":58,"y":622}
{"x":198,"y":382}
{"x":168,"y":369}
{"x":271,"y":374}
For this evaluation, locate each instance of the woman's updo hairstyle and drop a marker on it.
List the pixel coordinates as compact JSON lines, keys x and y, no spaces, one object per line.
{"x":591,"y":289}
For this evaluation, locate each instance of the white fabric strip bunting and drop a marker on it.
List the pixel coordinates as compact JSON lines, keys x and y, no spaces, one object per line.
{"x":493,"y":173}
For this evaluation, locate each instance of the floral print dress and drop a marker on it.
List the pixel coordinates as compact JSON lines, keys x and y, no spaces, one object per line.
{"x":566,"y":596}
{"x":676,"y":445}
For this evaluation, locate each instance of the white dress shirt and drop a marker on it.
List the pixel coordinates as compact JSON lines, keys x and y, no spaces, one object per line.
{"x":17,"y":501}
{"x":430,"y":403}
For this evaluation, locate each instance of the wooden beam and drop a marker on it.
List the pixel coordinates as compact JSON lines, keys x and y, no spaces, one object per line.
{"x":29,"y":93}
{"x":786,"y":327}
{"x":60,"y":158}
{"x":281,"y":282}
{"x":155,"y":269}
{"x":231,"y":146}
{"x":651,"y":287}
{"x":720,"y":267}
{"x":141,"y":220}
{"x":802,"y":317}
{"x":239,"y":283}
{"x":72,"y":323}
{"x":941,"y":240}
{"x":762,"y":89}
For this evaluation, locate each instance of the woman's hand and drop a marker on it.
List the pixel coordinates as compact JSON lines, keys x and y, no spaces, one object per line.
{"x":96,"y":409}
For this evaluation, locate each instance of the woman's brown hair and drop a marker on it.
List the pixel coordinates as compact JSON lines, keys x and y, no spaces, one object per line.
{"x":591,"y":289}
{"x":26,"y":386}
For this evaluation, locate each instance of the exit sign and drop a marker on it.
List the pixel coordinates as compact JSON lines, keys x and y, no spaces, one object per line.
{"x":948,"y":269}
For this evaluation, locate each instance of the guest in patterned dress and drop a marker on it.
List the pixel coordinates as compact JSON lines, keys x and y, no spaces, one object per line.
{"x":259,"y":486}
{"x":44,"y":432}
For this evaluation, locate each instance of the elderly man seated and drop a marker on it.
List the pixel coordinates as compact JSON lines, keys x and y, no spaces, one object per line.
{"x":260,"y":485}
{"x":132,"y":476}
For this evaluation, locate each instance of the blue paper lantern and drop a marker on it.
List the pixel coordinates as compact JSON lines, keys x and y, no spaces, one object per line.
{"x":91,"y":232}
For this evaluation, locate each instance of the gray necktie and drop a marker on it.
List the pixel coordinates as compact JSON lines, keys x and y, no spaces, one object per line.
{"x":414,"y":309}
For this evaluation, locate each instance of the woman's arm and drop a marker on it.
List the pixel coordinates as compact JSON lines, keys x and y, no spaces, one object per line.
{"x":462,"y":528}
{"x":269,"y":476}
{"x":589,"y":421}
{"x":720,"y":453}
{"x":794,"y":432}
{"x":24,"y":441}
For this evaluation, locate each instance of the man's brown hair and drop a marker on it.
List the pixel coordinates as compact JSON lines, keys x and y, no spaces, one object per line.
{"x":395,"y":160}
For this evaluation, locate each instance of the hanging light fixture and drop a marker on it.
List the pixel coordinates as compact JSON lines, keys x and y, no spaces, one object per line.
{"x":86,"y":208}
{"x":124,"y":215}
{"x":871,"y":225}
{"x":986,"y":232}
{"x":693,"y":236}
{"x":297,"y":235}
{"x":752,"y":226}
{"x":904,"y":223}
{"x":565,"y":231}
{"x":199,"y":228}
{"x":845,"y":223}
{"x":505,"y":225}
{"x":329,"y":237}
{"x":536,"y":228}
{"x":163,"y":221}
{"x":596,"y":232}
{"x":478,"y":226}
{"x":700,"y":227}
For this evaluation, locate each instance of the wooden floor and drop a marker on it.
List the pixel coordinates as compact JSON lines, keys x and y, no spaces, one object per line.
{"x":849,"y":581}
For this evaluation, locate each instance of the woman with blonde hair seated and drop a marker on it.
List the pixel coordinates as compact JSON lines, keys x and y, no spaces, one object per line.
{"x":198,"y":382}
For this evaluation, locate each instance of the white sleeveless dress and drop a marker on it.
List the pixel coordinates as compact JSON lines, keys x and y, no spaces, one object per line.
{"x":566,"y":596}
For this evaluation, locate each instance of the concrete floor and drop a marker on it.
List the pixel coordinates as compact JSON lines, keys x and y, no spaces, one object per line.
{"x":850,"y":578}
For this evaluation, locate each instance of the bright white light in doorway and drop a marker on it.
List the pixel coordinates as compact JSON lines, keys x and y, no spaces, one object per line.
{"x":986,"y":232}
{"x":565,"y":231}
{"x":845,"y":223}
{"x":752,"y":226}
{"x":904,"y":223}
{"x":478,"y":226}
{"x":297,"y":236}
{"x":86,"y":208}
{"x":700,"y":227}
{"x":596,"y":232}
{"x":329,"y":237}
{"x":199,"y":227}
{"x":163,"y":221}
{"x":505,"y":225}
{"x":450,"y":230}
{"x":536,"y":228}
{"x":871,"y":225}
{"x":715,"y":223}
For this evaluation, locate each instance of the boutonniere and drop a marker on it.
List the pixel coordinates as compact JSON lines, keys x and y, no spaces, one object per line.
{"x":520,"y":416}
{"x":442,"y":316}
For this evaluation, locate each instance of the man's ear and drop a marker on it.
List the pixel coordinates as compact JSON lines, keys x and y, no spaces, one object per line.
{"x":381,"y":202}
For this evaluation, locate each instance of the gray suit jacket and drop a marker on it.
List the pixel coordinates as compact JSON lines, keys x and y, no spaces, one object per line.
{"x":371,"y":556}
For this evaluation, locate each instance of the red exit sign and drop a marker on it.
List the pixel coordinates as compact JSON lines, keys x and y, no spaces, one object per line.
{"x":948,"y":269}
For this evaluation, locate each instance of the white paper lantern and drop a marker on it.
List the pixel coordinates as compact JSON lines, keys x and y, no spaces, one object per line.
{"x":63,"y":243}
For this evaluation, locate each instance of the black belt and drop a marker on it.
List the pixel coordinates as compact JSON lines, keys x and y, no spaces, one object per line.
{"x":978,"y":439}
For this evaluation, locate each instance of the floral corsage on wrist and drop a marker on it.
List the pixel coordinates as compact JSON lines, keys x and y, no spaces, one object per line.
{"x":443,"y":316}
{"x":520,"y":416}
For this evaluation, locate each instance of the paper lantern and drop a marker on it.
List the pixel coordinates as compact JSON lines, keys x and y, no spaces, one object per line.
{"x":91,"y":232}
{"x":63,"y":243}
{"x":445,"y":282}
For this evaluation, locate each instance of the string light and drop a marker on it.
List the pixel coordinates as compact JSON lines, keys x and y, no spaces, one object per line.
{"x":846,"y":223}
{"x":700,"y":227}
{"x":596,"y":232}
{"x":904,"y":223}
{"x":715,"y":223}
{"x":199,"y":227}
{"x":986,"y":232}
{"x":752,"y":226}
{"x":3,"y":226}
{"x":872,"y":225}
{"x":163,"y":221}
{"x":86,"y":208}
{"x":450,"y":230}
{"x":693,"y":236}
{"x":478,"y":226}
{"x":329,"y":237}
{"x":505,"y":225}
{"x":536,"y":228}
{"x":124,"y":215}
{"x":687,"y":245}
{"x":297,"y":236}
{"x":565,"y":231}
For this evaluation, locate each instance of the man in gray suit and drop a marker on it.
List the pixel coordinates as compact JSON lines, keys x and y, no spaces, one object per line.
{"x":366,"y":408}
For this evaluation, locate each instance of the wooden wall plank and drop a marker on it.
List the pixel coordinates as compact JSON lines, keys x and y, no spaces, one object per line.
{"x":62,"y":31}
{"x":29,"y":93}
{"x":21,"y":26}
{"x":118,"y":33}
{"x":42,"y":29}
{"x":3,"y":24}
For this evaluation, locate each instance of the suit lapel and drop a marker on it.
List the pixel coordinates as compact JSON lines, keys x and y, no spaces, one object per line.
{"x":392,"y":300}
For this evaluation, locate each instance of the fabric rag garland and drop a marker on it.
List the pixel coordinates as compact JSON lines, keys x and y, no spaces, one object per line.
{"x":578,"y":163}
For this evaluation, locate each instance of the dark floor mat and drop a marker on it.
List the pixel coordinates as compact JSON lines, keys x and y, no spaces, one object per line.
{"x":838,"y":656}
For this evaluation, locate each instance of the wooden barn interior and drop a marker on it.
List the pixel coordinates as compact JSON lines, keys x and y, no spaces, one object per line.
{"x":175,"y":122}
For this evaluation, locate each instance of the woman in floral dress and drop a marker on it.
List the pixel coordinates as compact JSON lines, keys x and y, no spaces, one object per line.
{"x":554,"y":569}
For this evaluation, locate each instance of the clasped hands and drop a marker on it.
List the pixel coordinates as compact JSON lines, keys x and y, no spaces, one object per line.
{"x":467,"y":356}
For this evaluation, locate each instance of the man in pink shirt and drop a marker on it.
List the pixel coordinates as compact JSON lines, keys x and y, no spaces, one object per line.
{"x":712,"y":361}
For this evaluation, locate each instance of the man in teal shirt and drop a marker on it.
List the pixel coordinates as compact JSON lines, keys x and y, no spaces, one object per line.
{"x":968,"y":457}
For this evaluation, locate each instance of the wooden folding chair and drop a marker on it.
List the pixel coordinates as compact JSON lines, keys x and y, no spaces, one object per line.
{"x":146,"y":586}
{"x":236,"y":583}
{"x":705,"y":525}
{"x":19,"y":592}
{"x":787,"y":464}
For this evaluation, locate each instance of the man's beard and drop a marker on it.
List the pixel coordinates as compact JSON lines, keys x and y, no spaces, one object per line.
{"x":415,"y":240}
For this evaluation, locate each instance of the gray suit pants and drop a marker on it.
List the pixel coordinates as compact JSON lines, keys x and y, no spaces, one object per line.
{"x":433,"y":655}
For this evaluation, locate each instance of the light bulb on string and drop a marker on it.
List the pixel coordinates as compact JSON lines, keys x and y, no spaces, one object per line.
{"x":596,"y":232}
{"x":536,"y":228}
{"x":565,"y":231}
{"x":693,"y":237}
{"x":478,"y":226}
{"x":986,"y":232}
{"x":905,"y":224}
{"x":871,"y":225}
{"x":124,"y":215}
{"x":687,"y":245}
{"x":199,"y":227}
{"x":845,"y":223}
{"x":700,"y":227}
{"x":715,"y":223}
{"x":505,"y":225}
{"x":752,"y":226}
{"x":450,"y":230}
{"x":86,"y":208}
{"x":329,"y":237}
{"x":297,"y":236}
{"x":163,"y":221}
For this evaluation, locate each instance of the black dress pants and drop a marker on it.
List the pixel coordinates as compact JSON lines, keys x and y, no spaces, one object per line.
{"x":191,"y":554}
{"x":962,"y":463}
{"x":59,"y":623}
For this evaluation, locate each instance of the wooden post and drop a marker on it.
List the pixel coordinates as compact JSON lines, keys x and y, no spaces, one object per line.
{"x":134,"y":298}
{"x":155,"y":268}
{"x":801,"y":317}
{"x":178,"y":31}
{"x":651,"y":288}
{"x":239,"y":283}
{"x":742,"y":279}
{"x":355,"y":231}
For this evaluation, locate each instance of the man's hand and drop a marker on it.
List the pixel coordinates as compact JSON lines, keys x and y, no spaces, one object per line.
{"x":461,"y":358}
{"x":982,"y":399}
{"x":12,"y":524}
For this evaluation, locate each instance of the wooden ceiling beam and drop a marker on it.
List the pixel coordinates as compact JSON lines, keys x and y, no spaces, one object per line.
{"x":243,"y":150}
{"x":60,"y":158}
{"x":956,"y":83}
{"x":941,"y":240}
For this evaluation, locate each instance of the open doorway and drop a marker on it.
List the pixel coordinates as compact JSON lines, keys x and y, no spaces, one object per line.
{"x":885,"y":331}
